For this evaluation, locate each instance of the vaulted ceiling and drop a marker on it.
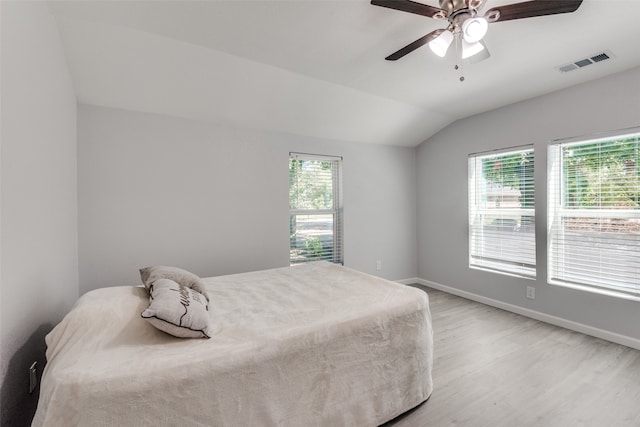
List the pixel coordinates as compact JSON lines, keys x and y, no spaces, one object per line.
{"x":317,"y":68}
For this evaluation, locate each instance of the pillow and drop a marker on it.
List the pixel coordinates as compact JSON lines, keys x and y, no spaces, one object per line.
{"x":182,"y":277}
{"x":178,"y":310}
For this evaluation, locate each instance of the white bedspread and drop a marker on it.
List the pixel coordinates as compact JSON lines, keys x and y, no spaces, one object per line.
{"x":312,"y":345}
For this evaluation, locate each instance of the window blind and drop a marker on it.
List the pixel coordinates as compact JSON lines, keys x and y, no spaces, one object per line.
{"x":315,"y":208}
{"x":501,"y":212}
{"x":594,"y":214}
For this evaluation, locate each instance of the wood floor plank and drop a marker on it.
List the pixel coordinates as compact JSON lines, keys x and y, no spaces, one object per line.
{"x":499,"y":369}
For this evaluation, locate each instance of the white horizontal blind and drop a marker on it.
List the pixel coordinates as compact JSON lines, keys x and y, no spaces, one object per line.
{"x":315,"y":208}
{"x":501,"y":212}
{"x":594,"y":214}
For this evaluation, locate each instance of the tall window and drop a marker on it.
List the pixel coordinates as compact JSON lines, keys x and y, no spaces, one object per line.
{"x":315,"y":208}
{"x":501,"y":212}
{"x":594,"y":214}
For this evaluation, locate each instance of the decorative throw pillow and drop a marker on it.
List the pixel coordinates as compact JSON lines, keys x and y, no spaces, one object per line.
{"x":178,"y":310}
{"x":182,"y":277}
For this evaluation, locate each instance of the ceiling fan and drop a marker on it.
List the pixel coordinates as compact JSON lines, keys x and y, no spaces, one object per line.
{"x":466,"y":25}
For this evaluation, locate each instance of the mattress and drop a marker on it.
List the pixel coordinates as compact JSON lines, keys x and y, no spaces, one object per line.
{"x":311,"y":345}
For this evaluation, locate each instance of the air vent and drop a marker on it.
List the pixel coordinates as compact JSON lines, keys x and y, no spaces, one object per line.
{"x":581,"y":63}
{"x":600,"y":57}
{"x":567,"y":68}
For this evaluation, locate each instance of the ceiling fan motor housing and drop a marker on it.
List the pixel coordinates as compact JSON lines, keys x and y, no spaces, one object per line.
{"x":458,"y":11}
{"x":453,"y":5}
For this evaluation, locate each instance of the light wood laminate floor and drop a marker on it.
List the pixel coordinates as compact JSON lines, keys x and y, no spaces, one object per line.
{"x":499,"y":369}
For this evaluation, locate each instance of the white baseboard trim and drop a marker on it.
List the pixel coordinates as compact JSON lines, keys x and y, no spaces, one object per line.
{"x":547,"y":318}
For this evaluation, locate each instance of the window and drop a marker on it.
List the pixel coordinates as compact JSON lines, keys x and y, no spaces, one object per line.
{"x":594,"y":214}
{"x":501,"y":212}
{"x":315,"y":208}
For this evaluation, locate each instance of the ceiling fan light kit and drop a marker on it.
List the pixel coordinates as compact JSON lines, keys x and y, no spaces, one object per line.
{"x":474,"y":29}
{"x":466,"y":24}
{"x":441,"y":44}
{"x":470,"y":49}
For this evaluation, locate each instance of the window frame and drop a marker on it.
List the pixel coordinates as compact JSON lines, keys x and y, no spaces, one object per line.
{"x":478,"y":213}
{"x":558,"y":212}
{"x":336,"y":211}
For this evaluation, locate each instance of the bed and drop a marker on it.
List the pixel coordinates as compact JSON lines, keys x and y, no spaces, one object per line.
{"x":311,"y":345}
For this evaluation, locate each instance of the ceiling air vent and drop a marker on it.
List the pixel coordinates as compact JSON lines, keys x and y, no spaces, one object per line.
{"x":581,"y":63}
{"x":600,"y":57}
{"x":567,"y":68}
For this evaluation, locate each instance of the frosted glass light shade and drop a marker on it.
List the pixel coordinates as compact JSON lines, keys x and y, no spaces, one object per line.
{"x":474,"y":29}
{"x":440,"y":44}
{"x":470,"y":49}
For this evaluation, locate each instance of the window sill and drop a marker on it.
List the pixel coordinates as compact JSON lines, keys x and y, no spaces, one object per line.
{"x":594,"y":290}
{"x":505,"y":273}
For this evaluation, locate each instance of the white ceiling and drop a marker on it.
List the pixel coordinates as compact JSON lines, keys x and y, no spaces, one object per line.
{"x":317,"y":68}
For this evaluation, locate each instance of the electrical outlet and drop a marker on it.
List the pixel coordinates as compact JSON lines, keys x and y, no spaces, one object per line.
{"x":531,"y":292}
{"x":378,"y":265}
{"x":33,"y":377}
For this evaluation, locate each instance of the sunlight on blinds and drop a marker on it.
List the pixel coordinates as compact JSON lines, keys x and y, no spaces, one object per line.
{"x":501,"y":212}
{"x":315,"y":208}
{"x":594,"y":214}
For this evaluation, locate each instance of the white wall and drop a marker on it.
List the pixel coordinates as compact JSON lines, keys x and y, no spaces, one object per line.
{"x":602,"y":105}
{"x":213,"y":199}
{"x":39,"y":264}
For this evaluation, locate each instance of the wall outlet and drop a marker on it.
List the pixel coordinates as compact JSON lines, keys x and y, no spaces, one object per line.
{"x":531,"y":292}
{"x":33,"y":377}
{"x":378,"y":265}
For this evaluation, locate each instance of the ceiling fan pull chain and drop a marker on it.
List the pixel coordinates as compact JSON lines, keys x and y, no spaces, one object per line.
{"x":459,"y":57}
{"x":461,"y":71}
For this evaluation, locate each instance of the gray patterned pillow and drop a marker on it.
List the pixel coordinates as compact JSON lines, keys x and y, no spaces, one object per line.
{"x":178,"y":310}
{"x":183,"y":277}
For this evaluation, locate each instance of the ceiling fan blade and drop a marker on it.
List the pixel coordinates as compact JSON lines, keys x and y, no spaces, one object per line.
{"x":529,"y":9}
{"x":413,"y":46}
{"x":412,"y":7}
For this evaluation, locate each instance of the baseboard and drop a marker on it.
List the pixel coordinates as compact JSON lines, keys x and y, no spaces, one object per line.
{"x":547,"y":318}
